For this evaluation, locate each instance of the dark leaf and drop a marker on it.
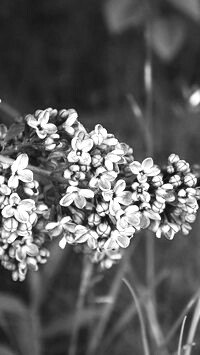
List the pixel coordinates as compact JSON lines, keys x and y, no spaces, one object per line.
{"x":14,"y":130}
{"x":12,"y":305}
{"x":190,"y":7}
{"x":4,"y":350}
{"x":123,"y":14}
{"x":168,"y":35}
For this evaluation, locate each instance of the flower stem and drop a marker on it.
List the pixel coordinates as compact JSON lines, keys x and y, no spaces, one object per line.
{"x":85,"y":280}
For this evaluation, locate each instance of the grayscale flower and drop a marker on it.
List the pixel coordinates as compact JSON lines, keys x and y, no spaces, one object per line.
{"x":140,"y":192}
{"x":77,"y":196}
{"x":144,"y":170}
{"x":19,"y":172}
{"x":41,"y":124}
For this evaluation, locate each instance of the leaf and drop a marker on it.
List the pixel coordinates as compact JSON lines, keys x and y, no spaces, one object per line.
{"x":14,"y":130}
{"x":63,"y":325}
{"x":12,"y":305}
{"x":168,"y":35}
{"x":4,"y":350}
{"x":123,"y":14}
{"x":190,"y":7}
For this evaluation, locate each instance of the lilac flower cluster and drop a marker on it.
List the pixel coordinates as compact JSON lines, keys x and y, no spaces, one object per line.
{"x":20,"y":247}
{"x":95,"y":196}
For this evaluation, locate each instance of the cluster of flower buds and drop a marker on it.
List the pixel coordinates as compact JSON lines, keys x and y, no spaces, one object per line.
{"x":20,"y":247}
{"x":97,"y":195}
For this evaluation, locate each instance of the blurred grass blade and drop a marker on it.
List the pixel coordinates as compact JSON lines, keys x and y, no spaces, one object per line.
{"x":193,"y":328}
{"x":177,"y":323}
{"x":129,"y":313}
{"x":84,"y":284}
{"x":4,"y":350}
{"x":11,"y":304}
{"x":155,"y":327}
{"x":62,"y":326}
{"x":179,"y":352}
{"x":51,"y":269}
{"x":98,"y":332}
{"x":141,"y":318}
{"x":190,"y":8}
{"x":17,"y":323}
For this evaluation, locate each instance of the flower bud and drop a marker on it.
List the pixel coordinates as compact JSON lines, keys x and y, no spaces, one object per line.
{"x":10,"y":224}
{"x":158,"y":206}
{"x":102,"y":208}
{"x":190,"y":180}
{"x":94,"y":219}
{"x":175,"y":180}
{"x":157,"y":180}
{"x":170,"y":169}
{"x":173,"y":158}
{"x":97,"y":160}
{"x":182,"y":166}
{"x":78,"y":217}
{"x":103,"y":230}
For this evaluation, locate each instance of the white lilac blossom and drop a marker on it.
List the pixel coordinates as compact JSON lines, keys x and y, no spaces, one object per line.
{"x":41,"y":124}
{"x":84,"y":189}
{"x":20,"y":247}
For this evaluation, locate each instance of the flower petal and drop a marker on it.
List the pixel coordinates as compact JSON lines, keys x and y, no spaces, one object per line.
{"x":25,"y":175}
{"x":13,"y":182}
{"x":50,"y":128}
{"x":108,"y":164}
{"x":41,"y":133}
{"x":154,"y":171}
{"x":28,"y":204}
{"x":119,"y":186}
{"x":51,"y":225}
{"x":31,"y":121}
{"x":85,"y":158}
{"x":20,"y":253}
{"x":43,"y":118}
{"x":5,"y":190}
{"x":114,"y":158}
{"x":125,"y":198}
{"x":21,"y":215}
{"x":62,"y":243}
{"x":80,"y":201}
{"x":86,"y":193}
{"x":110,"y":141}
{"x":152,"y":215}
{"x":72,"y":156}
{"x":8,"y":211}
{"x":135,"y":167}
{"x":144,"y":222}
{"x":81,"y":234}
{"x":134,"y":220}
{"x":123,"y":241}
{"x":111,"y":244}
{"x":86,"y":145}
{"x":32,"y":249}
{"x":107,"y":195}
{"x":20,"y":163}
{"x":72,"y":117}
{"x":67,"y":200}
{"x":104,"y":184}
{"x":147,"y":164}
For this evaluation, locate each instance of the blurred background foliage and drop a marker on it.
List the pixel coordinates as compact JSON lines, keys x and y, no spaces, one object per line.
{"x":90,"y":55}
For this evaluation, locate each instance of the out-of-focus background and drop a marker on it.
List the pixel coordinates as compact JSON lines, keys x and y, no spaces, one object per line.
{"x":93,"y":55}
